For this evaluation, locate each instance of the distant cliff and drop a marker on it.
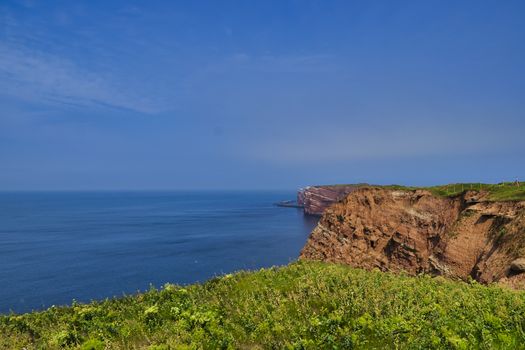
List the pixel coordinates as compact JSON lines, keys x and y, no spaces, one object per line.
{"x":315,"y":199}
{"x":463,"y":236}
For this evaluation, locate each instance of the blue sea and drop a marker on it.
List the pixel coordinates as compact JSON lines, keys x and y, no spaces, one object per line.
{"x":60,"y":246}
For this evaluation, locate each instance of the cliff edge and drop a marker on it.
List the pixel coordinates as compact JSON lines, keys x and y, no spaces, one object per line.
{"x":315,"y":199}
{"x":464,"y":236}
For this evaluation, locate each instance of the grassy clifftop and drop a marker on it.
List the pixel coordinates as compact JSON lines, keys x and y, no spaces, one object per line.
{"x":505,"y":191}
{"x":304,"y":305}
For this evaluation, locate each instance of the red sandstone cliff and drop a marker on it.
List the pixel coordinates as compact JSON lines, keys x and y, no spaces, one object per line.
{"x":315,"y":199}
{"x":417,"y":232}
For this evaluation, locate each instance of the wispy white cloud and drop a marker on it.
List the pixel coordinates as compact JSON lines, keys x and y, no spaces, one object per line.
{"x":54,"y":62}
{"x":35,"y":68}
{"x":42,"y":77}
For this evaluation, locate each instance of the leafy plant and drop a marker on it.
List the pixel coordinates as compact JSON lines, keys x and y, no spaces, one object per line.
{"x":306,"y":305}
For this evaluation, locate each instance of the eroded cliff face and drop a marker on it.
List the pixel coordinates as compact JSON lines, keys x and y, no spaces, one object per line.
{"x":315,"y":199}
{"x":417,"y":232}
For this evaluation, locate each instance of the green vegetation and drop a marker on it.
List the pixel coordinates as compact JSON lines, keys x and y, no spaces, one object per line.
{"x":305,"y":305}
{"x":505,"y":191}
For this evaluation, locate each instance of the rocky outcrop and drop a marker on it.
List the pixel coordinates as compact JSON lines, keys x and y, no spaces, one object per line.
{"x":417,"y":232}
{"x":315,"y":199}
{"x":518,"y":265}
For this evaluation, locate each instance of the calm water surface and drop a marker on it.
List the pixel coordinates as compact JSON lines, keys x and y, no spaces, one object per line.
{"x":55,"y":247}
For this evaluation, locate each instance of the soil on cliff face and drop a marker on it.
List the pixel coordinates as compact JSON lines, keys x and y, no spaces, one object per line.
{"x":417,"y":232}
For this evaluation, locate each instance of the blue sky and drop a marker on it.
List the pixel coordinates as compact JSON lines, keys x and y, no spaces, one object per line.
{"x":259,"y":94}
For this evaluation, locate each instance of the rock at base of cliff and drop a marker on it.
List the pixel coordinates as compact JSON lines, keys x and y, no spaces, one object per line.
{"x":518,"y":265}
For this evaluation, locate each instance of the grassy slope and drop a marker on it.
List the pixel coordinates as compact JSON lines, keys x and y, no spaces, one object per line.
{"x":505,"y":191}
{"x":303,"y":305}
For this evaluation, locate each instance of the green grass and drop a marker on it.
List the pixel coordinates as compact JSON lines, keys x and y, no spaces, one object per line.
{"x":505,"y":191}
{"x":305,"y":305}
